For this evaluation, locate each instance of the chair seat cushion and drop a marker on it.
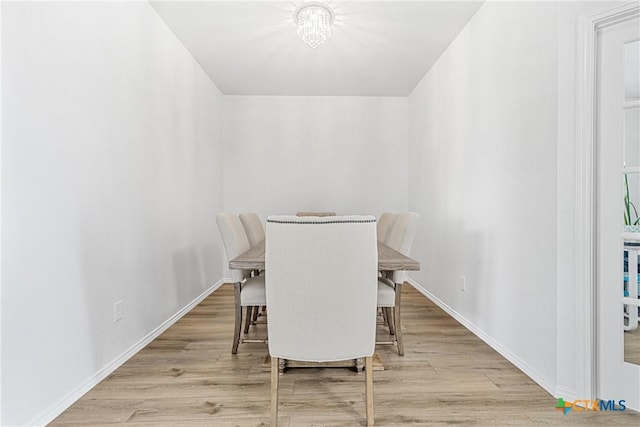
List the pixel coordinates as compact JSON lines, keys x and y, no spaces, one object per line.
{"x":386,"y":294}
{"x":253,"y":292}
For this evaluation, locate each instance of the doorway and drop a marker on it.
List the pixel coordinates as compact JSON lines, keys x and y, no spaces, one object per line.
{"x":617,"y":209}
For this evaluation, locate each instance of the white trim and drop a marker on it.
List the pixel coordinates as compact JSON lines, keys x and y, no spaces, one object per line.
{"x":585,"y":202}
{"x":631,"y":169}
{"x":584,"y":256}
{"x":56,"y":409}
{"x":567,"y":394}
{"x":0,"y":220}
{"x":631,"y":104}
{"x":545,"y":382}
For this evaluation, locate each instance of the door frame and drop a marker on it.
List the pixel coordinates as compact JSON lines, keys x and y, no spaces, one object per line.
{"x":585,"y":201}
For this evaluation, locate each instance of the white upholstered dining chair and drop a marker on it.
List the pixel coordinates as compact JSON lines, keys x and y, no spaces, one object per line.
{"x":252,"y":227}
{"x":249,"y":291}
{"x":255,"y":233}
{"x":399,"y":237}
{"x":321,"y":293}
{"x":385,"y":223}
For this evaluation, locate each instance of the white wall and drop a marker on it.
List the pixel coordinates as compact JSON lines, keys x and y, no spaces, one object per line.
{"x":286,"y":154}
{"x":483,"y":175}
{"x":111,"y":177}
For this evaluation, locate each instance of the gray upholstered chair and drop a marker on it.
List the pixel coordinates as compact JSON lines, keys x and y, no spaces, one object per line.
{"x":253,"y":228}
{"x":400,"y":238}
{"x":321,"y":293}
{"x":249,"y":291}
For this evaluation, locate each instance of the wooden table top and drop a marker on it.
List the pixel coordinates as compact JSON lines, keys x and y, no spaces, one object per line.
{"x":388,"y":259}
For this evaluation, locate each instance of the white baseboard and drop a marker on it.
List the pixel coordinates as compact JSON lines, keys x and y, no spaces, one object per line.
{"x":566,"y":394}
{"x":531,"y":372}
{"x":58,"y":408}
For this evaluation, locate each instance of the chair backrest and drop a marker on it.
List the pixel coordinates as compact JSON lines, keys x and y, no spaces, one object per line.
{"x":385,"y":223}
{"x":234,"y":239}
{"x":321,"y":285}
{"x":252,"y":227}
{"x":400,"y":238}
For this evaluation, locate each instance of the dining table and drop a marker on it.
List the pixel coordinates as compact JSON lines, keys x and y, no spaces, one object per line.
{"x":389,"y":260}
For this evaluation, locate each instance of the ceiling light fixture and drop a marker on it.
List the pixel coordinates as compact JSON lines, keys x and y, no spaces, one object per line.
{"x":314,"y":23}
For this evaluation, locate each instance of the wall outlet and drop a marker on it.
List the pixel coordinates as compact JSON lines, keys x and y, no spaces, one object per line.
{"x":117,"y":310}
{"x":462,"y":283}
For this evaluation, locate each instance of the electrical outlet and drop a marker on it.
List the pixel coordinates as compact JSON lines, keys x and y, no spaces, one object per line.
{"x":117,"y":310}
{"x":462,"y":282}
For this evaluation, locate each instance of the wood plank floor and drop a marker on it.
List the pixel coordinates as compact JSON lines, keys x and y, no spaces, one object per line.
{"x":188,"y":377}
{"x":632,"y":346}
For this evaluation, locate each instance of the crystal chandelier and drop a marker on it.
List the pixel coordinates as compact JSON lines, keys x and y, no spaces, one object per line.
{"x":314,"y":23}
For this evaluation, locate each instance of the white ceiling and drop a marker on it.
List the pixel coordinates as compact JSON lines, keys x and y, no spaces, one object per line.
{"x":377,"y":48}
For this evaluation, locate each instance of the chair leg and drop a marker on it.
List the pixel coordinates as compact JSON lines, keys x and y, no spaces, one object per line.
{"x":275,"y":374}
{"x":396,"y":319}
{"x":238,"y":318}
{"x":256,"y":313}
{"x":368,"y":373}
{"x":247,"y":320}
{"x":390,"y":320}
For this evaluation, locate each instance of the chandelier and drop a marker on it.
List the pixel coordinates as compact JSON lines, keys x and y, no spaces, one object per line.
{"x":314,"y":23}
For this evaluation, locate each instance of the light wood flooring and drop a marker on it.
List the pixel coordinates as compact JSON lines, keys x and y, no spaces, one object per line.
{"x":188,"y":377}
{"x":632,"y":346}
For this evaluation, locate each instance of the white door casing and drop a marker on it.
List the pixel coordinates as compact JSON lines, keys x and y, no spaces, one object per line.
{"x":616,"y":379}
{"x":585,"y":200}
